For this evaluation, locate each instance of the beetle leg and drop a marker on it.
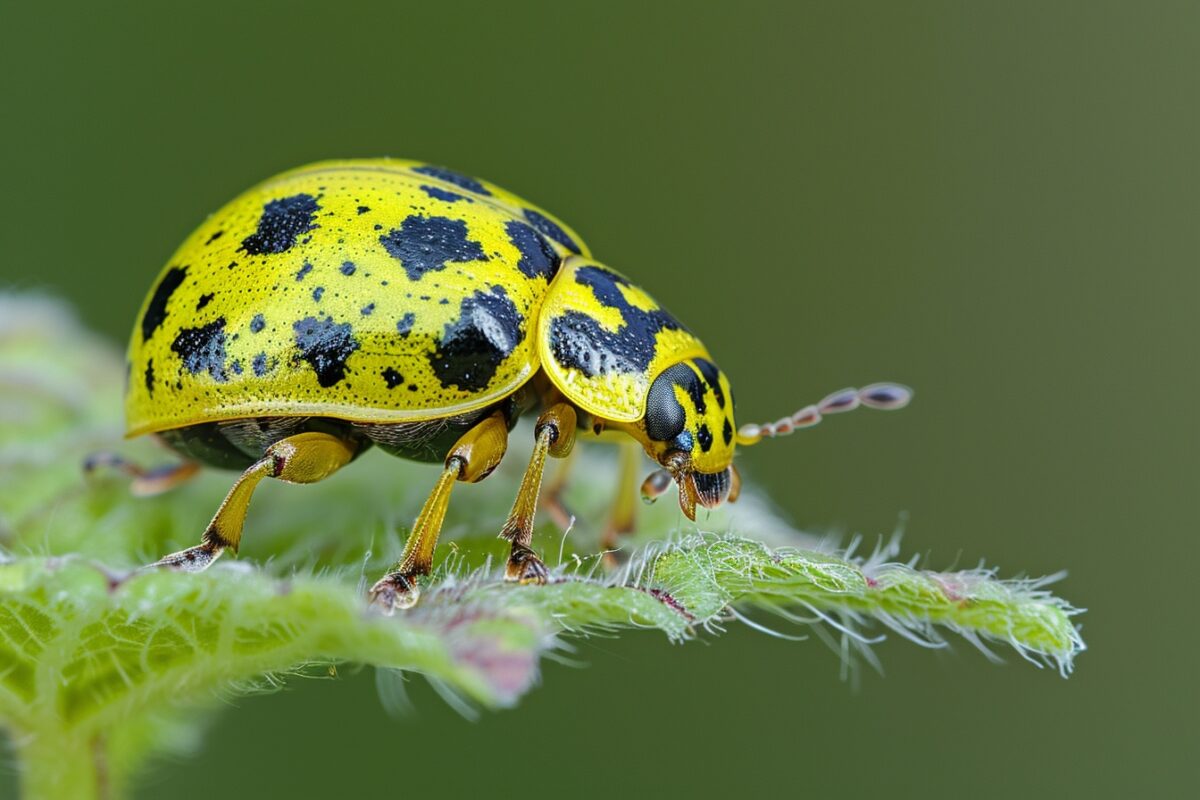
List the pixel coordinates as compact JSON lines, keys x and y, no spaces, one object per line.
{"x":555,"y":435}
{"x":472,"y":459}
{"x":624,"y":510}
{"x":303,"y":458}
{"x":145,"y":482}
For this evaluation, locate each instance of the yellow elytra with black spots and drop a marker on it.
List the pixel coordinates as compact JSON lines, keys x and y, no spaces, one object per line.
{"x":350,"y":304}
{"x":382,"y":291}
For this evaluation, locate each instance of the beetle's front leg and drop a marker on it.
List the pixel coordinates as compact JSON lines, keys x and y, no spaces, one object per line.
{"x":554,"y":435}
{"x":472,"y":459}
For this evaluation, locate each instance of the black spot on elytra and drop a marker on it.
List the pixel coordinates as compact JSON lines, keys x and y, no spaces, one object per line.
{"x":450,"y":176}
{"x":392,"y":378}
{"x":304,"y":270}
{"x":705,"y":437}
{"x":318,"y":293}
{"x":281,"y":223}
{"x":712,"y":376}
{"x":727,"y":432}
{"x":368,"y":309}
{"x":325,"y":345}
{"x":363,"y":209}
{"x":258,"y":323}
{"x":404,"y":326}
{"x":488,"y":328}
{"x":156,"y":311}
{"x":538,"y":259}
{"x":578,"y":341}
{"x":149,"y":377}
{"x":260,"y":364}
{"x":348,"y":268}
{"x":214,"y":237}
{"x":203,"y":349}
{"x":236,"y":366}
{"x":205,"y":299}
{"x":426,"y":244}
{"x":548,"y":227}
{"x":442,"y":194}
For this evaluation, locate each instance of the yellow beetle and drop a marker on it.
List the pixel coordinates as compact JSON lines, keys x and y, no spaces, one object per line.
{"x":347,"y":304}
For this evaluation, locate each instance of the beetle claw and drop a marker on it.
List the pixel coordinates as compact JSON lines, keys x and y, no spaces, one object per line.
{"x":525,"y":567}
{"x":395,"y":591}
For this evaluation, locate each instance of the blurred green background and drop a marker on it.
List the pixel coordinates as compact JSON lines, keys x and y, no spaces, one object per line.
{"x":995,"y":203}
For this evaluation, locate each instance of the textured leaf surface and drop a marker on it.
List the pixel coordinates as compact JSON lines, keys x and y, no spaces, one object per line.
{"x":101,"y":665}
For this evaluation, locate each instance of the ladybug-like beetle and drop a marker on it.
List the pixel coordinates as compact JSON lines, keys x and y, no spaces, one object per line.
{"x":393,"y":303}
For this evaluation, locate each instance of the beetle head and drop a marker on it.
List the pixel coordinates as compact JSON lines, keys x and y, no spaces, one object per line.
{"x":689,"y":430}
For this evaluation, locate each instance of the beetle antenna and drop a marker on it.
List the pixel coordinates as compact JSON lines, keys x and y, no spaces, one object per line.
{"x":882,"y":396}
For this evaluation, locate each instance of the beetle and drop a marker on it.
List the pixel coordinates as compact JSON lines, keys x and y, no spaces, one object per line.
{"x":398,"y":304}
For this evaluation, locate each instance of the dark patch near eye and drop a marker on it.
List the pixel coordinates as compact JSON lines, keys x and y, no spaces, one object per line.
{"x":260,"y":364}
{"x":150,"y":377}
{"x":712,"y":376}
{"x":214,"y":237}
{"x":412,"y":387}
{"x":538,"y":259}
{"x":691,"y":384}
{"x":727,"y":432}
{"x":318,"y":293}
{"x":489,"y":327}
{"x":205,"y":299}
{"x":392,"y":378}
{"x":548,"y":227}
{"x":579,"y":341}
{"x":426,"y":244}
{"x":156,"y":311}
{"x":282,"y":222}
{"x":368,"y":309}
{"x":404,"y":326}
{"x":258,"y":323}
{"x":683,"y":442}
{"x":705,"y":437}
{"x":325,"y":345}
{"x":363,"y":209}
{"x":304,"y":270}
{"x":442,"y":194}
{"x":450,"y":176}
{"x":348,"y":268}
{"x":664,"y":417}
{"x":203,"y":349}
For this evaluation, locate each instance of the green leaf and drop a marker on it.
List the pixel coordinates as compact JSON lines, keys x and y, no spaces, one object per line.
{"x":102,"y":665}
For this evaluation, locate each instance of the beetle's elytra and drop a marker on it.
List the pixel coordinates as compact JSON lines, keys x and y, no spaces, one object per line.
{"x":347,"y":304}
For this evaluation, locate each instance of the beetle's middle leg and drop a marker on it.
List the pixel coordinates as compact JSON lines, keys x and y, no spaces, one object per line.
{"x":472,"y":459}
{"x":304,"y":458}
{"x":554,"y":435}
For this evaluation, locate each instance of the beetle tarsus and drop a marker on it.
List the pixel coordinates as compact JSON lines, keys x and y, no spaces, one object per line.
{"x":525,"y":567}
{"x":395,"y":591}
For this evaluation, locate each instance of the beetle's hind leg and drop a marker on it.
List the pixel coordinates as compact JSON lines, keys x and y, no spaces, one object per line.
{"x":554,"y":435}
{"x":304,"y":458}
{"x":144,"y":482}
{"x":472,"y":459}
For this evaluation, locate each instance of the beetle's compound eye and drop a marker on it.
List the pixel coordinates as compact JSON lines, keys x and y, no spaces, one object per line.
{"x":665,"y":417}
{"x":712,"y":489}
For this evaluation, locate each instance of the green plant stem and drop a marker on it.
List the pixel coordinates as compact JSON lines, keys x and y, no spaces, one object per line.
{"x":56,"y":765}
